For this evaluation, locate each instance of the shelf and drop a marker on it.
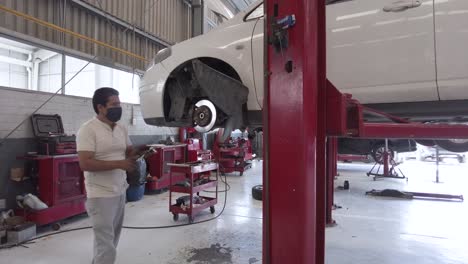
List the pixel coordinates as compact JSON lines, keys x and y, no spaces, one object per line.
{"x":196,"y":209}
{"x":195,"y":189}
{"x":193,"y":168}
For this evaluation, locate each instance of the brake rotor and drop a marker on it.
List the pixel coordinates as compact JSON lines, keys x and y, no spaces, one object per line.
{"x":204,"y":116}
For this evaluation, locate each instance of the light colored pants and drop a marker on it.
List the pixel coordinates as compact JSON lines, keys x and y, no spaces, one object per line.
{"x":106,"y":216}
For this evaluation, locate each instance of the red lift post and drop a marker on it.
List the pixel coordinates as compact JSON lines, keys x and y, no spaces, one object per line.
{"x":295,"y":133}
{"x":301,"y":108}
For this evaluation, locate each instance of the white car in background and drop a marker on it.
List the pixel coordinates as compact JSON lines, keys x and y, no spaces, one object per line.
{"x":392,"y":55}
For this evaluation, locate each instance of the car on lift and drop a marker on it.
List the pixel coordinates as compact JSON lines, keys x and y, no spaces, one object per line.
{"x":375,"y":147}
{"x":430,"y":154}
{"x":383,"y":52}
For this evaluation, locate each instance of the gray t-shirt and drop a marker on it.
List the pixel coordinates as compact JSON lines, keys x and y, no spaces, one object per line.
{"x":108,"y":144}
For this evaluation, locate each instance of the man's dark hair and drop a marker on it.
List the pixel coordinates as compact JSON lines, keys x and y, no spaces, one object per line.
{"x":101,"y":97}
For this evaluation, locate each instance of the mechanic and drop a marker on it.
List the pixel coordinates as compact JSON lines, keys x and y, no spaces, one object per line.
{"x":105,"y":154}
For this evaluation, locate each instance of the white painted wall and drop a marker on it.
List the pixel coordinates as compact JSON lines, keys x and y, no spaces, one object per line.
{"x":16,"y":105}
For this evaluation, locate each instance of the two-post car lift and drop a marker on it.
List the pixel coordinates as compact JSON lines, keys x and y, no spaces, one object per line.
{"x":303,"y":115}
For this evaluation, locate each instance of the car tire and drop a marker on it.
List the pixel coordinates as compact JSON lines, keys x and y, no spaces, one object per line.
{"x":452,"y":145}
{"x":257,"y":192}
{"x":377,"y":153}
{"x":461,"y":159}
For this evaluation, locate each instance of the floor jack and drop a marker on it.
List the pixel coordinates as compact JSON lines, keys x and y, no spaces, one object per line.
{"x":389,"y":165}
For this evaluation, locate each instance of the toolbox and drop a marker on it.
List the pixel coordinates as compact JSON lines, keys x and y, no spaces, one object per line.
{"x":52,"y":140}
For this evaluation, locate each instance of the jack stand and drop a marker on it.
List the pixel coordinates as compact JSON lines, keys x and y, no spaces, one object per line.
{"x":437,"y":165}
{"x":390,"y":169}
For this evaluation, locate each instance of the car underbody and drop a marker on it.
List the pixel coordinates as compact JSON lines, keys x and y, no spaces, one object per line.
{"x":192,"y":98}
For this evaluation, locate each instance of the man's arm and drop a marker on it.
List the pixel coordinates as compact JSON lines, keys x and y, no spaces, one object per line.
{"x":89,"y":163}
{"x":135,"y":151}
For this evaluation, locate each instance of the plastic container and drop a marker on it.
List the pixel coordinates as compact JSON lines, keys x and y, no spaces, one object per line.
{"x":135,"y":192}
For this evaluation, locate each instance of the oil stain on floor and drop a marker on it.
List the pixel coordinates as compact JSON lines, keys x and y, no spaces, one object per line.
{"x":215,"y":254}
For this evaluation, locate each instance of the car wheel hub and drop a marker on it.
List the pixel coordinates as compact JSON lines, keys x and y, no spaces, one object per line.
{"x":204,"y":116}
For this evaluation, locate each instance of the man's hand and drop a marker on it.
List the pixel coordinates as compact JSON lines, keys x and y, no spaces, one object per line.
{"x":127,"y":164}
{"x":133,"y":151}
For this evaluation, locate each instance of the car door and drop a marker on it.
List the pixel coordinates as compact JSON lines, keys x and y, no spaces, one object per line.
{"x":382,"y":51}
{"x":451,"y":25}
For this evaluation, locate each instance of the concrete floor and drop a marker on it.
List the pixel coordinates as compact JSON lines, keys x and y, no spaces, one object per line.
{"x":370,"y":229}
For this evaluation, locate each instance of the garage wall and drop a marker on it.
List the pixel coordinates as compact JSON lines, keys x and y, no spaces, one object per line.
{"x":164,"y":18}
{"x":16,"y":105}
{"x":141,"y":27}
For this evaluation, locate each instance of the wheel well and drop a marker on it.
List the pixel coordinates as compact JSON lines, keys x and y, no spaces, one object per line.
{"x":221,"y":66}
{"x":181,"y":72}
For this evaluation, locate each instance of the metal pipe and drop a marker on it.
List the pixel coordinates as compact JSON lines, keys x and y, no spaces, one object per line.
{"x":29,"y":70}
{"x":437,"y":164}
{"x":11,"y":60}
{"x":413,"y":130}
{"x":332,"y":154}
{"x":35,"y":74}
{"x":64,"y":73}
{"x":436,"y":195}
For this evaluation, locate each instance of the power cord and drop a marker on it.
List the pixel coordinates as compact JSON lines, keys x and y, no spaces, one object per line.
{"x":227,"y":188}
{"x":199,"y":222}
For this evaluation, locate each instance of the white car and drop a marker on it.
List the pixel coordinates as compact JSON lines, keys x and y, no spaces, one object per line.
{"x":390,"y":54}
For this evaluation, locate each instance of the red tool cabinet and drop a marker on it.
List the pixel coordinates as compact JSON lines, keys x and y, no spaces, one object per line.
{"x":158,"y":165}
{"x":60,"y":186}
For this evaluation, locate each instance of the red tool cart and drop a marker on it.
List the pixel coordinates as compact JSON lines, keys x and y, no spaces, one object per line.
{"x":233,"y":155}
{"x":198,"y":177}
{"x":158,"y":168}
{"x":195,"y":151}
{"x":194,"y":141}
{"x":60,"y":186}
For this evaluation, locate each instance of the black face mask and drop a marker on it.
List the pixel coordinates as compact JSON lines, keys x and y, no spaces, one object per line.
{"x":114,"y":114}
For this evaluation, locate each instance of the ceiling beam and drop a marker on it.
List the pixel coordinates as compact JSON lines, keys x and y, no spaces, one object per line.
{"x":15,"y":61}
{"x":43,"y":54}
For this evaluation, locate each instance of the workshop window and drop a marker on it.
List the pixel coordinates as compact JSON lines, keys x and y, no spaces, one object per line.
{"x":30,"y":67}
{"x":84,"y":83}
{"x":49,"y":71}
{"x":95,"y":76}
{"x":15,"y":64}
